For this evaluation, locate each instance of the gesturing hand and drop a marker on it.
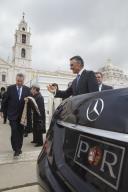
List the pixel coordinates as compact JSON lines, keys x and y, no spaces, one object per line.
{"x":51,"y":88}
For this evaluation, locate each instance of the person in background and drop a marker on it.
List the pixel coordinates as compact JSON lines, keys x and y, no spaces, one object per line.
{"x":38,"y":120}
{"x":53,"y":103}
{"x":14,"y":102}
{"x":85,"y":82}
{"x":5,"y":108}
{"x":99,"y":77}
{"x":3,"y":97}
{"x":28,"y":127}
{"x":2,"y":91}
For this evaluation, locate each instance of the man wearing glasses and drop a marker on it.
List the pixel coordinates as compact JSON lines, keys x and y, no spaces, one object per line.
{"x":85,"y":81}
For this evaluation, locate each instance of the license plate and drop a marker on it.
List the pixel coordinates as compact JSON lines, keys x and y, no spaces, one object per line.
{"x":102,"y":159}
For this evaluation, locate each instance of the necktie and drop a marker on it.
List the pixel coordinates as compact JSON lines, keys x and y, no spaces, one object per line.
{"x":18,"y":91}
{"x":77,"y":80}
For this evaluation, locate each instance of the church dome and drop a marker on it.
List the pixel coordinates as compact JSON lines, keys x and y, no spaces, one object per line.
{"x":110,"y":67}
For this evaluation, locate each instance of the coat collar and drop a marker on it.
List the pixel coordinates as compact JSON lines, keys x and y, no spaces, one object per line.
{"x":81,"y":71}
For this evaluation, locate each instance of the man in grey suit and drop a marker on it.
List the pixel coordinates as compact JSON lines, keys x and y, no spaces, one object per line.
{"x":85,"y":82}
{"x":102,"y":87}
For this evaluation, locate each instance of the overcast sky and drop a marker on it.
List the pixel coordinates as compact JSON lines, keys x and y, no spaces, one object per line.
{"x":94,"y":29}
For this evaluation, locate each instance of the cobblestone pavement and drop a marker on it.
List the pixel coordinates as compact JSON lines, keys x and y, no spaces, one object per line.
{"x":20,"y":171}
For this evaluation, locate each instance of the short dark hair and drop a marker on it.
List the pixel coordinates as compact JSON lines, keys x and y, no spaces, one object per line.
{"x":98,"y":72}
{"x":2,"y":88}
{"x":20,"y":75}
{"x":36,"y":88}
{"x":78,"y":59}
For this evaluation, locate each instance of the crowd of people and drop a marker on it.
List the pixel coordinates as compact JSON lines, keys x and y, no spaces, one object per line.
{"x":24,"y":106}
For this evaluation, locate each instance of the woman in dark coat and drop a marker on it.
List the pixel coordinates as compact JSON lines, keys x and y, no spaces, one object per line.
{"x":38,"y":119}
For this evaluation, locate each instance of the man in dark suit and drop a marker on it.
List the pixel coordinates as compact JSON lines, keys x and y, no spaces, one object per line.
{"x":85,"y":82}
{"x":102,"y":87}
{"x":38,"y":119}
{"x":14,"y":103}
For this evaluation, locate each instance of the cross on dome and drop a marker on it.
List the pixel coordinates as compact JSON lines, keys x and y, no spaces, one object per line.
{"x":23,"y":15}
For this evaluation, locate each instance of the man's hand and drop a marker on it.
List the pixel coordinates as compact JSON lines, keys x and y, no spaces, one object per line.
{"x":51,"y":88}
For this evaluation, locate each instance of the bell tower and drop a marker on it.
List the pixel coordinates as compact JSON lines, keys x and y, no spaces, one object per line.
{"x":22,"y":48}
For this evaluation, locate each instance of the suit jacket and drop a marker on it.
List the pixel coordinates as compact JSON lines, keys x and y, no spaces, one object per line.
{"x":106,"y":87}
{"x":86,"y":84}
{"x":12,"y":103}
{"x":39,"y":120}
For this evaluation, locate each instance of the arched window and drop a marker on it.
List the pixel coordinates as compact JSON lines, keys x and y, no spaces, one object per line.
{"x":23,"y":29}
{"x":23,"y":38}
{"x":23,"y":53}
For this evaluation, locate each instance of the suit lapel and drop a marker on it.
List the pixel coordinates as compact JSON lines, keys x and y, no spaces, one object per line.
{"x":16,"y":93}
{"x":80,"y":81}
{"x":103,"y":87}
{"x":74,"y":86}
{"x":22,"y":94}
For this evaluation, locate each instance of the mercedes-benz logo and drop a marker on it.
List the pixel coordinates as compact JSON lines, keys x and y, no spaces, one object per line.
{"x":95,"y":109}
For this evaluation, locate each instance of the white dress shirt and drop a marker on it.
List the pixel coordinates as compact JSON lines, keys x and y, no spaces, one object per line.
{"x":81,"y":71}
{"x":100,"y":87}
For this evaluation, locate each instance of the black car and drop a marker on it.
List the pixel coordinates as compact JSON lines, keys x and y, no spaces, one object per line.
{"x":86,"y":147}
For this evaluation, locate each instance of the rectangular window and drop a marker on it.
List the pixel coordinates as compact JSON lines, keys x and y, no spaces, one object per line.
{"x":23,"y":38}
{"x":3,"y":77}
